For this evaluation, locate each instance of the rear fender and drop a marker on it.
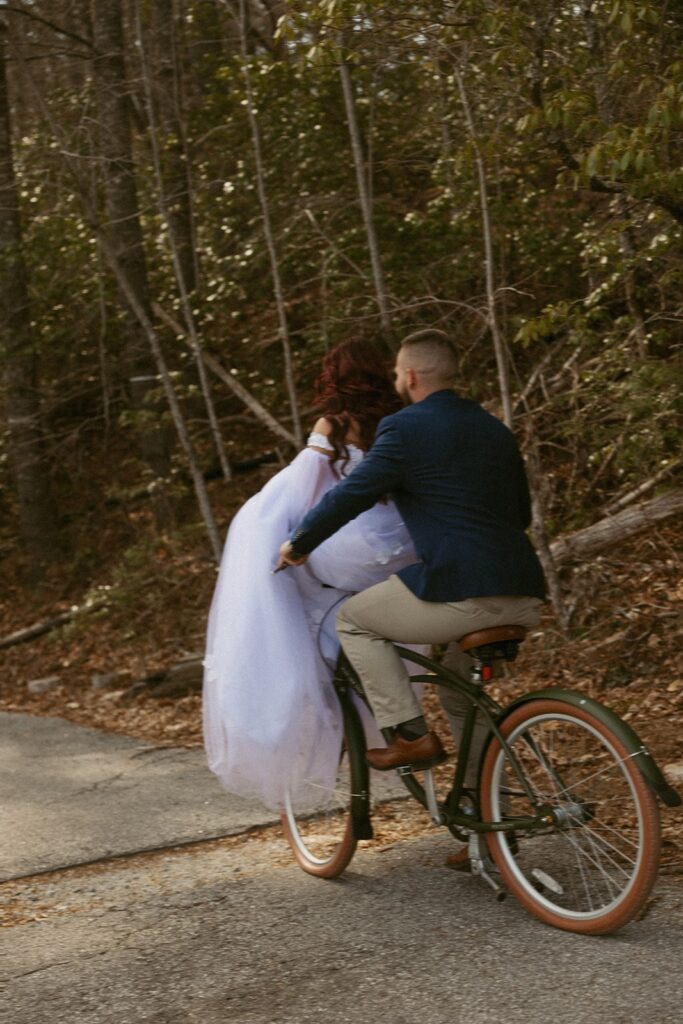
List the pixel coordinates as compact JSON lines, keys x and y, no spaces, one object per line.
{"x":642,"y":757}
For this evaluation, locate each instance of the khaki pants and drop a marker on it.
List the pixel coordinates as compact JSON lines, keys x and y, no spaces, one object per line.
{"x":371,"y":622}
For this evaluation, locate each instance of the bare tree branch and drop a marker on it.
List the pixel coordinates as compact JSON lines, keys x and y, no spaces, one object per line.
{"x":51,"y":24}
{"x":238,"y":389}
{"x":638,"y":492}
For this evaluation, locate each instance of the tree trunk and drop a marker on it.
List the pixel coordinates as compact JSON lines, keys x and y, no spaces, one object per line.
{"x":364,"y":197}
{"x":267,"y":227}
{"x":37,"y":513}
{"x":124,"y":231}
{"x":147,"y":326}
{"x":499,"y":346}
{"x":540,"y":536}
{"x":178,"y":246}
{"x":175,"y":165}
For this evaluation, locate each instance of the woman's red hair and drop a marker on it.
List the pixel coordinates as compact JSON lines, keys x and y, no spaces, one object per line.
{"x":354,"y":391}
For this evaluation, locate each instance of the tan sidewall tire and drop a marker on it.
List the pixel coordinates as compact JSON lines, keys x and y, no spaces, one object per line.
{"x":333,"y":867}
{"x":340,"y":859}
{"x":647,"y":871}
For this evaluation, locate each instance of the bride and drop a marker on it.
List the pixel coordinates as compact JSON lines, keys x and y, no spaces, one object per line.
{"x":272,"y":722}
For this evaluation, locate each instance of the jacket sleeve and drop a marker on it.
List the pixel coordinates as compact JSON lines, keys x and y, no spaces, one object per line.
{"x":378,"y":474}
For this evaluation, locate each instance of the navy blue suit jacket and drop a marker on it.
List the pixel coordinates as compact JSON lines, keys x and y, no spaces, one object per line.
{"x":459,"y":483}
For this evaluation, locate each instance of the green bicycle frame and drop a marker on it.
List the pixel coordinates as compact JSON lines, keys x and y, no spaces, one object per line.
{"x":479,"y":702}
{"x":346,"y":683}
{"x":494,"y":715}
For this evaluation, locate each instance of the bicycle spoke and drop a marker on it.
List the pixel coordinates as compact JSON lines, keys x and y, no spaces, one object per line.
{"x":593,"y":859}
{"x":584,"y":878}
{"x":608,"y":828}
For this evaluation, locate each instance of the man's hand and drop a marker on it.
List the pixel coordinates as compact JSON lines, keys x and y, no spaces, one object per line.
{"x":287,"y":557}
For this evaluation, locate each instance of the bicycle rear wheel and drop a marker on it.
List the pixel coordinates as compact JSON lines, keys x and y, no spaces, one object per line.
{"x":592,"y":870}
{"x":322,"y":841}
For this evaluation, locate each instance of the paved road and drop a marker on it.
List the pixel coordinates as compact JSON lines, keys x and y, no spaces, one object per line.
{"x":230,"y":930}
{"x":69,"y":795}
{"x":233,"y":932}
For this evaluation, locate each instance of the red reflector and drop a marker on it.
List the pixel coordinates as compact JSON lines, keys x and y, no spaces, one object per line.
{"x":486,"y":673}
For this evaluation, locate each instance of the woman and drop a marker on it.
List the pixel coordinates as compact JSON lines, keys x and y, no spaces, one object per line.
{"x":271,"y":719}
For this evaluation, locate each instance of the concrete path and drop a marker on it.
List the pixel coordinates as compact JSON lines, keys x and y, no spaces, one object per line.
{"x":71,"y":795}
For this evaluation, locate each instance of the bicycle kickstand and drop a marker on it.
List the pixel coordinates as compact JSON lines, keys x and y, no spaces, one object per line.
{"x":481,"y":864}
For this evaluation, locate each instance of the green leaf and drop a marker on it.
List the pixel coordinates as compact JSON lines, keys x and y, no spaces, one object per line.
{"x":552,"y":116}
{"x":653,"y":115}
{"x":593,"y":161}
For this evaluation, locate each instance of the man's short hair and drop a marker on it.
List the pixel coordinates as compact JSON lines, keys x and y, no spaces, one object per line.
{"x":432,"y":354}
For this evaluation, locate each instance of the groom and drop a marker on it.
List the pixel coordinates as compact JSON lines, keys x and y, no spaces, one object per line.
{"x":457,"y":478}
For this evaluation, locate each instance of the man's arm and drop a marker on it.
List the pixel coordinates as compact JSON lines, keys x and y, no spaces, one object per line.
{"x":378,"y":474}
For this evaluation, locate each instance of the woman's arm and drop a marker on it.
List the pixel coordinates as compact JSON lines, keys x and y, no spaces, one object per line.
{"x":323,"y":427}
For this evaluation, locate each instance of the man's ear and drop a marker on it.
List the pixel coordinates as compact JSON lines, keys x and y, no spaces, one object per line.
{"x":411,"y":378}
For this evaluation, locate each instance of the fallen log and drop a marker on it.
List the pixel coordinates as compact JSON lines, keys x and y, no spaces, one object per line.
{"x":182,"y":678}
{"x":31,"y":632}
{"x":604,"y":534}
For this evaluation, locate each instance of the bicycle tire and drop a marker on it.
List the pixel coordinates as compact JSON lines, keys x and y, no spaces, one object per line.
{"x":592,"y":872}
{"x":323,"y":840}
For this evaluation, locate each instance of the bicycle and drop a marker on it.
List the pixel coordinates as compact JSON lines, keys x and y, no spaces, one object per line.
{"x":565,"y":811}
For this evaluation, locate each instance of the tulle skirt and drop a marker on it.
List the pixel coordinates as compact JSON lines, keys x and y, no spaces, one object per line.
{"x":272,"y":721}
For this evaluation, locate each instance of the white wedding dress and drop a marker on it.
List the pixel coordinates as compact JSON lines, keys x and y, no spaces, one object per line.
{"x":272,"y":722}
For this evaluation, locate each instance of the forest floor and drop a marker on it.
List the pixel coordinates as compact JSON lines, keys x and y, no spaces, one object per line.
{"x":624,"y":646}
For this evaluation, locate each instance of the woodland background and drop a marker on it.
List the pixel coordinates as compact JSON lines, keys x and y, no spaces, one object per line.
{"x":199,"y":197}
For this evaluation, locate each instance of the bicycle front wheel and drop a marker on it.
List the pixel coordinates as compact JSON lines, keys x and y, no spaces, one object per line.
{"x":592,"y":870}
{"x":322,"y":840}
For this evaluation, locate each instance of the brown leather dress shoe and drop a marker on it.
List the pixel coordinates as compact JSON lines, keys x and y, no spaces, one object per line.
{"x":424,"y":752}
{"x":459,"y":861}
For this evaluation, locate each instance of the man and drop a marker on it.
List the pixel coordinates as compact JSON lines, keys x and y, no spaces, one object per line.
{"x":457,"y":478}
